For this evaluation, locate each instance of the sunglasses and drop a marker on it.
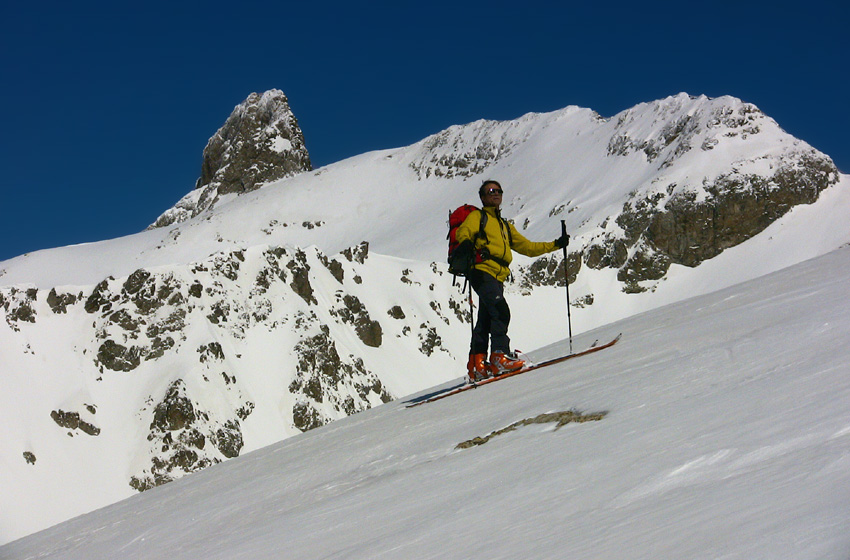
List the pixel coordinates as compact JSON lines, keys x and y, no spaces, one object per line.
{"x":493,"y":191}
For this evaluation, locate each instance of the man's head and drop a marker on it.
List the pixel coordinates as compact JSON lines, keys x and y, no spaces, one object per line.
{"x":490,"y":193}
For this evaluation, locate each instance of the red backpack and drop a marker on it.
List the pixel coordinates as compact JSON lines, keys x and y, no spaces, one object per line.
{"x":463,"y":256}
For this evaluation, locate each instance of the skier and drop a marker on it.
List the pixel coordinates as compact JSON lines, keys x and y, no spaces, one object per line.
{"x":493,"y":238}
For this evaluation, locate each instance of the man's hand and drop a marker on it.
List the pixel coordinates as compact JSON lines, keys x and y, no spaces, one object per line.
{"x":562,"y":241}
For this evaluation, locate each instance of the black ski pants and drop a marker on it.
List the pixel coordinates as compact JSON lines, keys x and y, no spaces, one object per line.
{"x":494,"y":315}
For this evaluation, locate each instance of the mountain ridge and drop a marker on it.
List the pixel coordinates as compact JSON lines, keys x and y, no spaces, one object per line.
{"x":591,"y":189}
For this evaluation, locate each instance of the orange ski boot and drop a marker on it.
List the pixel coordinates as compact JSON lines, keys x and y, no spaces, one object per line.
{"x":502,"y":362}
{"x":477,"y":367}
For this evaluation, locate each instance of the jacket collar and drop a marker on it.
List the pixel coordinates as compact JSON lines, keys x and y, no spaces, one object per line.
{"x":493,"y":211}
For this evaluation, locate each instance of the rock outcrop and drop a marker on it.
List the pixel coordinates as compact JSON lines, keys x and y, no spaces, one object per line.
{"x":694,"y":204}
{"x":259,"y":143}
{"x":181,"y":336}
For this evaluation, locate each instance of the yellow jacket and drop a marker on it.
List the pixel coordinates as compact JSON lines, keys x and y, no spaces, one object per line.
{"x":498,"y":243}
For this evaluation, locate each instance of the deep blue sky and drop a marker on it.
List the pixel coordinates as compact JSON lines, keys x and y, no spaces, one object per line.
{"x":107,"y":108}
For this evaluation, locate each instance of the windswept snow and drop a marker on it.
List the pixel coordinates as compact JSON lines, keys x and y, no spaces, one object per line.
{"x":727,"y":435}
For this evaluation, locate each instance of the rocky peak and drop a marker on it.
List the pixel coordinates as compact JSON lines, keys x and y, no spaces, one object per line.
{"x":259,"y":143}
{"x":719,"y":171}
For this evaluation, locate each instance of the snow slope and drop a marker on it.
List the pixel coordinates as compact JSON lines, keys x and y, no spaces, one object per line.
{"x":239,"y":371}
{"x":570,"y":164}
{"x":727,"y":435}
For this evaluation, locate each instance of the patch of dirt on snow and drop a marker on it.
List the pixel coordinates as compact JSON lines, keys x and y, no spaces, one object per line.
{"x":560,"y":418}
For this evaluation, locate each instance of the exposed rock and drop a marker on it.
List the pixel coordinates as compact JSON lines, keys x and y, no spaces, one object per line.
{"x":740,"y":206}
{"x":59,"y":302}
{"x":324,"y":380}
{"x":306,"y":417}
{"x":228,"y":439}
{"x":467,"y":150}
{"x":356,"y":314}
{"x":301,"y":277}
{"x":29,"y":457}
{"x":405,"y":278}
{"x":272,"y":271}
{"x":461,"y":310}
{"x":196,"y":289}
{"x":244,"y":411}
{"x":174,"y":322}
{"x":548,"y":271}
{"x":219,"y":312}
{"x":357,"y":254}
{"x":259,"y":143}
{"x":644,"y":264}
{"x":99,"y":300}
{"x":583,"y":301}
{"x":175,"y":411}
{"x":18,"y":306}
{"x":124,"y":319}
{"x":680,"y":132}
{"x":687,"y":226}
{"x":396,"y":312}
{"x":438,"y":309}
{"x":211,"y":352}
{"x":430,"y":339}
{"x":334,"y":267}
{"x":118,"y":357}
{"x":72,"y":421}
{"x":136,"y":281}
{"x":228,"y":264}
{"x":179,"y":432}
{"x":150,"y":312}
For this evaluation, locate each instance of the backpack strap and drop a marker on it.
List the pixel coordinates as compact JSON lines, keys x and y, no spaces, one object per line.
{"x":482,"y":234}
{"x":485,"y":255}
{"x":507,"y":227}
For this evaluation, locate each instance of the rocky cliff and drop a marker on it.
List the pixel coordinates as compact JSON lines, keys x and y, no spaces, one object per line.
{"x":203,"y":345}
{"x":687,"y":222}
{"x":259,"y":143}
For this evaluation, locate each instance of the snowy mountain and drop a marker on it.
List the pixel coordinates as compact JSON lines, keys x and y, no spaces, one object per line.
{"x":259,"y":143}
{"x":718,"y":427}
{"x":253,"y":314}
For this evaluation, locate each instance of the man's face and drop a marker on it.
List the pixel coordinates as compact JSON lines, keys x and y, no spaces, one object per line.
{"x":492,"y":195}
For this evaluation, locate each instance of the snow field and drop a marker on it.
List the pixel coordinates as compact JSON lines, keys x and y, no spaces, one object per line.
{"x":727,"y":436}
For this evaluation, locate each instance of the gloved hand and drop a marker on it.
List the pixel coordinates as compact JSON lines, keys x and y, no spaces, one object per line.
{"x":562,"y":241}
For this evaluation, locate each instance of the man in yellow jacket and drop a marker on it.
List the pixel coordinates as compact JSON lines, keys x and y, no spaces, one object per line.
{"x":493,"y":244}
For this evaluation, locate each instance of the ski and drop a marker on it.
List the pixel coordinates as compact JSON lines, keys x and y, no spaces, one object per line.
{"x":467,"y":385}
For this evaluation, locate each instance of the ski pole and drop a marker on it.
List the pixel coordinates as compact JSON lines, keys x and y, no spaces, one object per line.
{"x":567,"y":284}
{"x":471,"y":310}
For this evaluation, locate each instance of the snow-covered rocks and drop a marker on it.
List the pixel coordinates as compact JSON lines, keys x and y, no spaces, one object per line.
{"x":259,"y":143}
{"x":171,"y":369}
{"x":744,"y":174}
